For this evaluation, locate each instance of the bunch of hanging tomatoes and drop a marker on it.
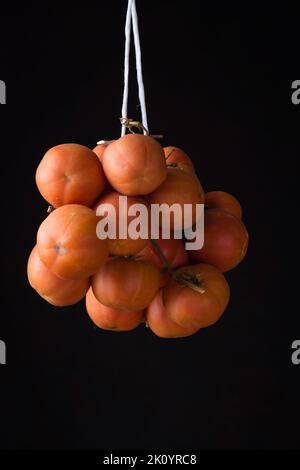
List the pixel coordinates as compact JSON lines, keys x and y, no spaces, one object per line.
{"x":130,"y":281}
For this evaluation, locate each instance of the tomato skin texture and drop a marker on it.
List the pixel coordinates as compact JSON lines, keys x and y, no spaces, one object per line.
{"x":134,"y":164}
{"x":224,"y":201}
{"x":118,"y":246}
{"x":173,"y":251}
{"x":189,"y":308}
{"x":176,"y":155}
{"x":225,"y":241}
{"x":68,"y":244}
{"x":70,"y":174}
{"x":108,"y":318}
{"x":180,"y":187}
{"x":126,"y":284}
{"x":98,"y":150}
{"x":56,"y":291}
{"x":161,"y":325}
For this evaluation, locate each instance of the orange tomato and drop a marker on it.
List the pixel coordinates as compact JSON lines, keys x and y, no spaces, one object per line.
{"x":68,"y":244}
{"x":224,"y":201}
{"x":58,"y":292}
{"x":126,"y":284}
{"x":225,"y":241}
{"x":174,"y":156}
{"x":180,"y":187}
{"x":99,"y":149}
{"x":109,"y":318}
{"x":191,"y":309}
{"x":159,"y":322}
{"x":119,"y":246}
{"x":70,"y":174}
{"x":134,"y":164}
{"x":173,"y":250}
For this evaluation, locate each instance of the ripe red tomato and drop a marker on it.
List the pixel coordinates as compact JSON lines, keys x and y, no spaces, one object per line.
{"x":191,"y":309}
{"x":174,"y":252}
{"x":99,"y":149}
{"x":58,"y":292}
{"x":70,"y":174}
{"x":174,"y":155}
{"x":224,"y":201}
{"x":134,"y":164}
{"x":68,"y":244}
{"x":126,"y":284}
{"x":225,"y":241}
{"x":109,"y":318}
{"x":180,"y":187}
{"x":119,"y":246}
{"x":159,"y":322}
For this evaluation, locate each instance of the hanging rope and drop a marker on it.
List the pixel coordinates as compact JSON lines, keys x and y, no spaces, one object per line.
{"x":127,"y":123}
{"x":132,"y":20}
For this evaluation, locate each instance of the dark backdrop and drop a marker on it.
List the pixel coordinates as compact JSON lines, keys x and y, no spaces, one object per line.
{"x":220,"y":88}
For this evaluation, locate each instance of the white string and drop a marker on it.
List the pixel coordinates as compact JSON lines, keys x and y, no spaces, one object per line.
{"x":132,"y":16}
{"x":126,"y":64}
{"x":138,"y":57}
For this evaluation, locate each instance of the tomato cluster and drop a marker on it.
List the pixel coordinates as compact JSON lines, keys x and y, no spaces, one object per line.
{"x":127,"y":281}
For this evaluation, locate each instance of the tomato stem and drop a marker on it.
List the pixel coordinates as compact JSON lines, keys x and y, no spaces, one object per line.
{"x":187,"y":278}
{"x":190,"y":279}
{"x":169,"y":154}
{"x":159,"y":251}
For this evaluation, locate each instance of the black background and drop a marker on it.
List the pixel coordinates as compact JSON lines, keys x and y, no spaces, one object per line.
{"x":220,"y":88}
